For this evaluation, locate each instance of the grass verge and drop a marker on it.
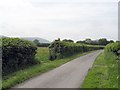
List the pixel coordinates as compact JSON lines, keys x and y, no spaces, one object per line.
{"x":43,"y":66}
{"x":104,"y":73}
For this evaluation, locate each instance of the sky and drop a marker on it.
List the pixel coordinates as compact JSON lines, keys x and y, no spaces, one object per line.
{"x":65,"y":19}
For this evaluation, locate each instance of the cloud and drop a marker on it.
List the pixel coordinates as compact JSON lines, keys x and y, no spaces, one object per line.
{"x":50,"y":19}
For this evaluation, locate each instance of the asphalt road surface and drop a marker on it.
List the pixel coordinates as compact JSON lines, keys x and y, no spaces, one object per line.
{"x":69,"y":75}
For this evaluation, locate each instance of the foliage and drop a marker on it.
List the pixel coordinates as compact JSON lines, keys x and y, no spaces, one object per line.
{"x":81,"y":42}
{"x":68,"y":40}
{"x":37,"y":69}
{"x":16,"y":54}
{"x":113,"y":47}
{"x":104,"y":72}
{"x":61,"y":49}
{"x":105,"y":69}
{"x":102,"y":41}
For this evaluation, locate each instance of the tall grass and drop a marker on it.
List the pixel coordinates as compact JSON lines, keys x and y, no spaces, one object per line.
{"x":104,"y":73}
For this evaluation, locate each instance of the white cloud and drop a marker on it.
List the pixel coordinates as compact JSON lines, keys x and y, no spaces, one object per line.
{"x":50,"y":19}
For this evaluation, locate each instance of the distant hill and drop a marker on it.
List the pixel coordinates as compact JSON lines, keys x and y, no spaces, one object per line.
{"x":41,"y":40}
{"x":1,"y":36}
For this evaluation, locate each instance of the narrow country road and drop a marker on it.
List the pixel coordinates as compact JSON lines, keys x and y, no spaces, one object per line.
{"x":69,"y":75}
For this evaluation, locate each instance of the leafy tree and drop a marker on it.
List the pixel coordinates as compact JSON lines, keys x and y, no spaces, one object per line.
{"x":80,"y":42}
{"x":88,"y":41}
{"x":103,"y":41}
{"x":68,"y":40}
{"x":58,"y":39}
{"x":111,"y":41}
{"x":94,"y":42}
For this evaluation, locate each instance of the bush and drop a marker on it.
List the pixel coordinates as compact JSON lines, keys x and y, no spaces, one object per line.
{"x":61,"y":49}
{"x":16,"y":54}
{"x":113,"y":47}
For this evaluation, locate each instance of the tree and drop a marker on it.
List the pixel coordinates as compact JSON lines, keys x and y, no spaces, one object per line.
{"x":94,"y":42}
{"x":88,"y":41}
{"x":111,"y":41}
{"x":103,"y":41}
{"x":68,"y":40}
{"x":58,"y":39}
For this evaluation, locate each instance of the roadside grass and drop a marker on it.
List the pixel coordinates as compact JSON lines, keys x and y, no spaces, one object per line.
{"x":44,"y":65}
{"x":104,"y":73}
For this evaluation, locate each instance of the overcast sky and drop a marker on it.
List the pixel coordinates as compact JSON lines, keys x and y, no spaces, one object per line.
{"x":50,"y":19}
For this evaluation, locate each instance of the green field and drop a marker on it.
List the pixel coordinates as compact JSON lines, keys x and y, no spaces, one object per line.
{"x":43,"y":66}
{"x":104,"y":73}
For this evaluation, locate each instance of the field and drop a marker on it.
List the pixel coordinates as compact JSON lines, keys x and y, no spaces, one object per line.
{"x":43,"y":66}
{"x":104,"y":73}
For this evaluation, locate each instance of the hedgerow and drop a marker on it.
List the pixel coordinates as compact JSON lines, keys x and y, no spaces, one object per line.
{"x":16,"y":54}
{"x":113,"y":47}
{"x":61,"y":49}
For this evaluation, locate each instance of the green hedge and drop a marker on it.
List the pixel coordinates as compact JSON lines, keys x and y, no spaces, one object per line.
{"x":16,"y":54}
{"x":113,"y":47}
{"x":61,"y":49}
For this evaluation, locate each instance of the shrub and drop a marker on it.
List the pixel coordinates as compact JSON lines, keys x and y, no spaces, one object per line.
{"x":16,"y":54}
{"x":61,"y":49}
{"x":113,"y":47}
